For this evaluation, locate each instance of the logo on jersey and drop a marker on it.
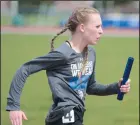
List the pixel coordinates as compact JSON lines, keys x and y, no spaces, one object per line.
{"x":80,"y":83}
{"x":76,"y":68}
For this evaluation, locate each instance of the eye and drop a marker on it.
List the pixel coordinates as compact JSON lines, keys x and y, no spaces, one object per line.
{"x":98,"y":26}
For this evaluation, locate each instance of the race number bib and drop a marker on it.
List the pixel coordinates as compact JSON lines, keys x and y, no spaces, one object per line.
{"x":69,"y":117}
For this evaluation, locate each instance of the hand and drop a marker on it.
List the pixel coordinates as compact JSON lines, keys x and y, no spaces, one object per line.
{"x":16,"y":117}
{"x":124,"y":88}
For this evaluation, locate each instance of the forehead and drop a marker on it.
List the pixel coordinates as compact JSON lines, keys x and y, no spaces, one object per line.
{"x":94,"y":19}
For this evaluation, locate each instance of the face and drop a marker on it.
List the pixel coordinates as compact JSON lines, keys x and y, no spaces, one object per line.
{"x":92,"y":29}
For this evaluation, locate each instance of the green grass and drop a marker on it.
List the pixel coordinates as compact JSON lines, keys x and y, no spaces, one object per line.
{"x":112,"y":54}
{"x":5,"y":20}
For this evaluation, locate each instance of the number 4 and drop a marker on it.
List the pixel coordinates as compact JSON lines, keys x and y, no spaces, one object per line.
{"x":69,"y":117}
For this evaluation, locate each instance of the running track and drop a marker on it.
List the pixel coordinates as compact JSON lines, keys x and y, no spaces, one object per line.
{"x":43,"y":30}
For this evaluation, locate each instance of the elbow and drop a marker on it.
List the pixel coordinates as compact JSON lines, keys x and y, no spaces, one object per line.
{"x":22,"y":72}
{"x":89,"y":92}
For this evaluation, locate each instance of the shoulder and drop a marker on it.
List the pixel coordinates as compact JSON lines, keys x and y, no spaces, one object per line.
{"x":65,"y":50}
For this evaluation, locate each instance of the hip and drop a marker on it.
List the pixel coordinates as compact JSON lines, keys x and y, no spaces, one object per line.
{"x":74,"y":117}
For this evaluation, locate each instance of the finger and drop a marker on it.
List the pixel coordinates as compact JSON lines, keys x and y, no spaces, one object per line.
{"x":12,"y":122}
{"x":125,"y":86}
{"x":24,"y":116}
{"x":20,"y":119}
{"x":15,"y":122}
{"x":128,"y":81}
{"x":122,"y":90}
{"x":125,"y":90}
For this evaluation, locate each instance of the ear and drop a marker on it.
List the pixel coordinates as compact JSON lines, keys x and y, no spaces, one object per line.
{"x":82,"y":28}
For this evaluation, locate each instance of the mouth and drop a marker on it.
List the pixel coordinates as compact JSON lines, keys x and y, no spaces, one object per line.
{"x":98,"y":38}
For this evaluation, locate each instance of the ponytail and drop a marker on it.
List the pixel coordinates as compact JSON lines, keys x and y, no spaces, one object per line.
{"x":52,"y":41}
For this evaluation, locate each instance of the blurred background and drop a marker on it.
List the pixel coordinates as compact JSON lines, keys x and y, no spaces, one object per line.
{"x":120,"y":13}
{"x":27,"y":28}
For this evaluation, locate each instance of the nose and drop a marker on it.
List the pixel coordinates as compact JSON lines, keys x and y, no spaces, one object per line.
{"x":100,"y":31}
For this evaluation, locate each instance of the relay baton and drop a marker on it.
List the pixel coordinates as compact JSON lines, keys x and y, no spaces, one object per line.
{"x":125,"y":76}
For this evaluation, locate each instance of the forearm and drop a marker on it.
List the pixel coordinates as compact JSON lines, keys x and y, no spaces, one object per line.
{"x":102,"y":90}
{"x":13,"y":99}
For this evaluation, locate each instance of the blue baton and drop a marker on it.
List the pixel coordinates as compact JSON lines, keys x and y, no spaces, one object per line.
{"x":125,"y":76}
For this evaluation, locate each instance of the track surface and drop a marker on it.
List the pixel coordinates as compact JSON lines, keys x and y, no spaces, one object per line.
{"x":53,"y":30}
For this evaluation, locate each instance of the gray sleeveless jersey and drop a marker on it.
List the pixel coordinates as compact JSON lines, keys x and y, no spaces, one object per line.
{"x":68,"y":90}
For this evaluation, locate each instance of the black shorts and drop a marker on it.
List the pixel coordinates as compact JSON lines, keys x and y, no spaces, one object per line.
{"x":78,"y":120}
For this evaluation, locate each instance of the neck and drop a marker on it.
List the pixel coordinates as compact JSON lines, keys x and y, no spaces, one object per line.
{"x":77,"y":43}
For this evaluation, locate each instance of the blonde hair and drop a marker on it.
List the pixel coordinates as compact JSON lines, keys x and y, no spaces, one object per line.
{"x":79,"y":15}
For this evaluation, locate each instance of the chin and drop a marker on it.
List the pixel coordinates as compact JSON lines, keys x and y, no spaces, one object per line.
{"x":93,"y":43}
